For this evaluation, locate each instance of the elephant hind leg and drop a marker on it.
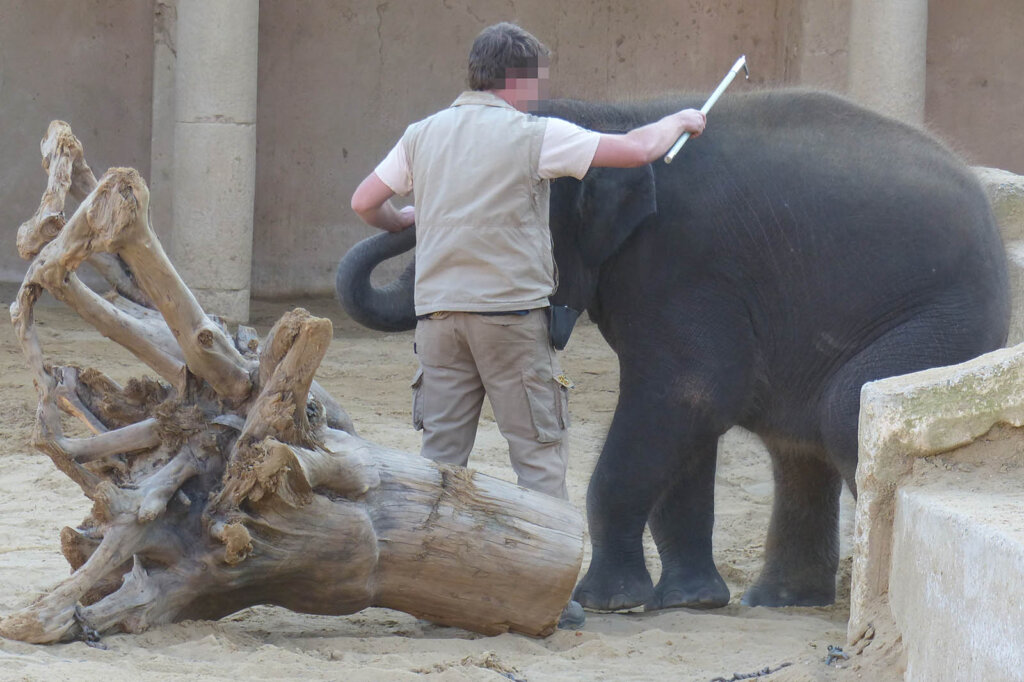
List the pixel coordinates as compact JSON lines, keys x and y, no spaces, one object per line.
{"x":802,"y":548}
{"x":682,"y":523}
{"x":946,"y":333}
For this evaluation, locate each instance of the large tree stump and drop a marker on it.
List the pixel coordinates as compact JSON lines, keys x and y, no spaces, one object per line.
{"x":233,"y":479}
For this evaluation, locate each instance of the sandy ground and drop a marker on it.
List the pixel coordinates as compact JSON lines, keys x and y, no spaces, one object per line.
{"x":369,"y":374}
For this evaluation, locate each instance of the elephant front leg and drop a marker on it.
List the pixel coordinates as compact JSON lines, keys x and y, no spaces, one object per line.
{"x":650,"y":449}
{"x":619,"y":497}
{"x":682,"y":523}
{"x":802,"y":549}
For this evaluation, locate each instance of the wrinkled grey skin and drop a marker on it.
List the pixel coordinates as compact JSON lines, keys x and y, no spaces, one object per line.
{"x":388,"y":308}
{"x":799,"y":248}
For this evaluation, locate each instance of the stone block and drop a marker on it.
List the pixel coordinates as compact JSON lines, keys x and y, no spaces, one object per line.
{"x":214,"y":172}
{"x":955,"y":587}
{"x":911,"y":416}
{"x":1005,"y":191}
{"x":887,"y":62}
{"x":231,"y":305}
{"x":216,"y":61}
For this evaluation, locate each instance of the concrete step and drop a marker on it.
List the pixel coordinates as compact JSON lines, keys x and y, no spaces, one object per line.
{"x":956,"y":587}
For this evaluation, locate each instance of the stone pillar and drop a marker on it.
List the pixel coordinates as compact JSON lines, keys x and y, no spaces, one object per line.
{"x":161,"y":155}
{"x":888,"y":39}
{"x":215,"y":151}
{"x":817,"y":41}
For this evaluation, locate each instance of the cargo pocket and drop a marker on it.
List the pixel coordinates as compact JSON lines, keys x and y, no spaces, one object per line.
{"x":417,"y":400}
{"x":549,"y":406}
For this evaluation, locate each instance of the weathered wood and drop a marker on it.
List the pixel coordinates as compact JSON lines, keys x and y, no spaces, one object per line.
{"x":238,"y":480}
{"x":68,"y":173}
{"x":62,"y":157}
{"x":247,"y":340}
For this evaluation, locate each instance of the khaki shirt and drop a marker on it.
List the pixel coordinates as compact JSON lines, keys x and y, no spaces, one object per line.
{"x":483,"y":243}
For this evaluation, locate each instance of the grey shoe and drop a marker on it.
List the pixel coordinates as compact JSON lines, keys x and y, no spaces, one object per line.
{"x":572,"y":617}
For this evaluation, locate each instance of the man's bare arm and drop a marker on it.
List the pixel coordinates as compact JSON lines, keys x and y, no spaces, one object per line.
{"x":371,"y":201}
{"x":645,"y":144}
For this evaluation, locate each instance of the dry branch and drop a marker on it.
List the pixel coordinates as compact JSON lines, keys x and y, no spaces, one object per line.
{"x":64,"y":163}
{"x":235,"y":479}
{"x":67,"y":172}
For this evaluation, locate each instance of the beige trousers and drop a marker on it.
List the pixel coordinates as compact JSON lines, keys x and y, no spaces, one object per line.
{"x":464,"y":356}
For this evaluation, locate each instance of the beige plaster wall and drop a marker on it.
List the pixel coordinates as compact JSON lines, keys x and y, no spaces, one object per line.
{"x":975,"y":93}
{"x":340,"y":80}
{"x":817,"y":44}
{"x":89,"y":63}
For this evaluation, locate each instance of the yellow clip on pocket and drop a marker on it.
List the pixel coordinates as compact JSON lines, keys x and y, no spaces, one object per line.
{"x":565,"y":381}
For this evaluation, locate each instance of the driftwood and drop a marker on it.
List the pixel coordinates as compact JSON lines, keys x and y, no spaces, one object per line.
{"x":234,"y":479}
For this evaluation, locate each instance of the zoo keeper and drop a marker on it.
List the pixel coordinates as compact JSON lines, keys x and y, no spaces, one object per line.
{"x":479,"y":171}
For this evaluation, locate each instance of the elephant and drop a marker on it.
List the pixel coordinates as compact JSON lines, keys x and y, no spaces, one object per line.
{"x":799,"y":248}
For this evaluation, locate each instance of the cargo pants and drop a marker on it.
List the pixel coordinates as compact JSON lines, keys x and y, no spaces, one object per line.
{"x":508,"y":358}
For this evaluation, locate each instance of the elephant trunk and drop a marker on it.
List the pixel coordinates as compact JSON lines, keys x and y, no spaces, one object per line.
{"x":388,"y":308}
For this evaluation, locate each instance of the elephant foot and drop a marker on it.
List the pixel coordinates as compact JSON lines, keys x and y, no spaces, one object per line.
{"x":768,"y":594}
{"x":704,"y":591}
{"x":612,"y":590}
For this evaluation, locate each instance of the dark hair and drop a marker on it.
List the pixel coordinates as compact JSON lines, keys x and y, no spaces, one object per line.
{"x":499,"y":48}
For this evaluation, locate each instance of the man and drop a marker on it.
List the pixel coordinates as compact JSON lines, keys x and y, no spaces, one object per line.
{"x":484,"y":267}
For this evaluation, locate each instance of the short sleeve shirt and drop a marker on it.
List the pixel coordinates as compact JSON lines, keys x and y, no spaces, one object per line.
{"x":567,"y":150}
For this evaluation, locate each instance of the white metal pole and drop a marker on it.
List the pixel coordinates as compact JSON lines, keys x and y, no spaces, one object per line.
{"x":740,"y":63}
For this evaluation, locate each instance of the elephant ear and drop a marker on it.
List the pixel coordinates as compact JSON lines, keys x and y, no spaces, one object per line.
{"x":613,"y":202}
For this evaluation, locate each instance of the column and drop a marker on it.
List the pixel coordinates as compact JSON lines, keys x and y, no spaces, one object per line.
{"x":215,"y":151}
{"x":888,"y":39}
{"x":161,"y":155}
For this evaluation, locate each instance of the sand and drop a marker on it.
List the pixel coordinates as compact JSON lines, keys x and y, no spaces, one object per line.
{"x":369,"y":373}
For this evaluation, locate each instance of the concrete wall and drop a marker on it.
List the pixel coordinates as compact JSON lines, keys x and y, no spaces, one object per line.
{"x":89,"y":63}
{"x":975,"y":94}
{"x":817,"y":44}
{"x":339,"y":80}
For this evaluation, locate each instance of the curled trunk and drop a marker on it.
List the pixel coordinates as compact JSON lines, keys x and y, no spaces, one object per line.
{"x":387,"y":308}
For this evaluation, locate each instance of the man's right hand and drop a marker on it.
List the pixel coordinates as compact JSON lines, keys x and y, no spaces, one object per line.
{"x":692,"y":121}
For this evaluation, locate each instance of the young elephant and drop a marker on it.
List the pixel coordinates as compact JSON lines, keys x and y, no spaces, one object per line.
{"x":799,"y":248}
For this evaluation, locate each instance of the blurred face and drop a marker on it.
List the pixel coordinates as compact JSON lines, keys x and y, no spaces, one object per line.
{"x":525,"y":87}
